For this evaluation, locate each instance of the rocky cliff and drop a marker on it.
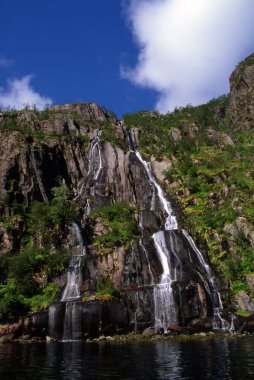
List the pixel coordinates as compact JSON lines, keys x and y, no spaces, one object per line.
{"x":241,"y":110}
{"x":86,"y":227}
{"x":204,"y":158}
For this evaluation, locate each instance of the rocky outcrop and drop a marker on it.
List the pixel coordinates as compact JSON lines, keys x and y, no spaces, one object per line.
{"x":160,"y":167}
{"x":86,"y":111}
{"x":65,"y":148}
{"x":241,"y":102}
{"x":244,"y":302}
{"x":221,"y":138}
{"x":240,"y":226}
{"x":83,"y":147}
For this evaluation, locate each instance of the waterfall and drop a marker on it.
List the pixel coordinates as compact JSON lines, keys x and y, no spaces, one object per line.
{"x":66,"y":311}
{"x":148,"y":262}
{"x":165,"y":306}
{"x":71,"y":290}
{"x":180,"y":260}
{"x":232,"y":324}
{"x":72,"y":329}
{"x":95,"y":151}
{"x":164,"y":303}
{"x":74,"y":276}
{"x":95,"y":167}
{"x":210,"y":285}
{"x":87,"y":208}
{"x":65,"y":317}
{"x":171,"y":222}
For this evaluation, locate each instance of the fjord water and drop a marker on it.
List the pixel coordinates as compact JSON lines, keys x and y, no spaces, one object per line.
{"x":218,"y":358}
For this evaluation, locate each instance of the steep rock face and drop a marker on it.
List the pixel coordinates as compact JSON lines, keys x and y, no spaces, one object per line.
{"x":87,"y":111}
{"x":30,"y":169}
{"x":241,"y":107}
{"x":65,"y":148}
{"x":204,"y":157}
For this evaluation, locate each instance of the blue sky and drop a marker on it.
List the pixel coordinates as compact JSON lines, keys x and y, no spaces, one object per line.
{"x":73,"y":50}
{"x":123,"y":55}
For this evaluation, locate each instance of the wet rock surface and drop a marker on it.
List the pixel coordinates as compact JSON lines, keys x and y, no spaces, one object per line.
{"x":65,"y":147}
{"x":100,"y":173}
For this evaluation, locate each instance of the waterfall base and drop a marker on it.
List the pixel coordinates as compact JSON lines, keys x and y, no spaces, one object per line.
{"x":77,"y":320}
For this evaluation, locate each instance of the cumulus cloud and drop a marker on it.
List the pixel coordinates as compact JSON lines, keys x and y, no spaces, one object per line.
{"x":188,"y":48}
{"x":19,"y":93}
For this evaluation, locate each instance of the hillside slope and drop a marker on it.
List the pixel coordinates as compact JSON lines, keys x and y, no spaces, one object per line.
{"x":81,"y":216}
{"x":204,"y":157}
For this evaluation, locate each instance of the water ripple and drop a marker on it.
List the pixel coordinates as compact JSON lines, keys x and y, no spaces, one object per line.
{"x":213,"y":359}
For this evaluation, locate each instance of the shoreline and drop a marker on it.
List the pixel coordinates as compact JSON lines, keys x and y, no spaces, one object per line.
{"x":134,"y":338}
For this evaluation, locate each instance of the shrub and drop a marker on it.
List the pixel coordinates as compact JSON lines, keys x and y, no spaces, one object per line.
{"x":120,"y":222}
{"x":44,"y":299}
{"x":11,"y":302}
{"x":106,"y":289}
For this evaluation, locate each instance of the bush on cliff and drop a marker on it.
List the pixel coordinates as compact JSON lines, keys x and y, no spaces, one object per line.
{"x":120,"y":223}
{"x":25,"y":275}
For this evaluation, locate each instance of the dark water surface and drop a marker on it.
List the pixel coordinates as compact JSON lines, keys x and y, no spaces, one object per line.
{"x":218,"y":359}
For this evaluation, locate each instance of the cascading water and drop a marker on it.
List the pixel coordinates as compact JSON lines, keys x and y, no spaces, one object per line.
{"x":74,"y":276}
{"x":95,"y":167}
{"x":151,"y":277}
{"x":210,"y":285}
{"x":94,"y":164}
{"x":164,"y":303}
{"x":174,"y":248}
{"x":165,"y":310}
{"x":165,"y":306}
{"x":171,"y":222}
{"x":67,"y":309}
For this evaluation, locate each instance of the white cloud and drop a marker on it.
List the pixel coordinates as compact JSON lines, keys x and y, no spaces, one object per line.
{"x":19,"y":93}
{"x":5,"y":62}
{"x":188,"y":48}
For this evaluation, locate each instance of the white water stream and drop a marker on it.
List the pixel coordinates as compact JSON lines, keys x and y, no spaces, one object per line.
{"x":165,"y":308}
{"x":95,"y":167}
{"x":68,"y":309}
{"x":218,"y":321}
{"x":74,"y":276}
{"x":171,"y":222}
{"x":165,"y":311}
{"x":95,"y":152}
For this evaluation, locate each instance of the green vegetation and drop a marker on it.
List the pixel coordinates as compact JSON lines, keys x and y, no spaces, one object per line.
{"x":26,"y":274}
{"x":109,"y":133}
{"x":44,"y":299}
{"x":34,"y":125}
{"x":243,"y":313}
{"x":106,"y":290}
{"x":119,"y":223}
{"x":157,"y":140}
{"x":211,"y":180}
{"x":242,"y":66}
{"x":12,"y":304}
{"x":46,"y":221}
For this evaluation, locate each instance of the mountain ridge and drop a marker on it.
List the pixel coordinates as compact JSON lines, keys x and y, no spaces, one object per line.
{"x":68,"y":161}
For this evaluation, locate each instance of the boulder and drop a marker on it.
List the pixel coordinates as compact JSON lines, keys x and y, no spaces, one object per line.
{"x":175,"y":134}
{"x":244,"y":302}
